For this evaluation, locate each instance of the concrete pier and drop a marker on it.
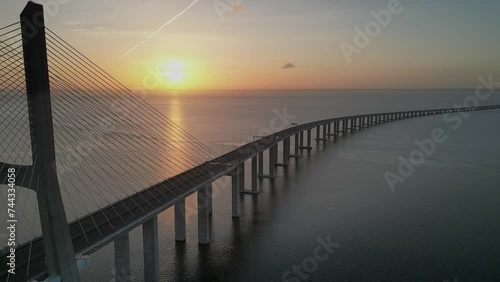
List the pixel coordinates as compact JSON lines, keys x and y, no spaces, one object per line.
{"x":336,"y":130}
{"x":240,"y":171}
{"x":296,"y":146}
{"x":151,"y":250}
{"x":309,"y":138}
{"x":286,"y":152}
{"x":273,"y":156}
{"x":273,"y":160}
{"x":308,"y":141}
{"x":180,"y":220}
{"x":235,"y":195}
{"x":203,"y":216}
{"x":321,"y":133}
{"x":287,"y":144}
{"x":255,"y":184}
{"x":261,"y":163}
{"x":241,"y":176}
{"x":122,"y":257}
{"x":209,"y":199}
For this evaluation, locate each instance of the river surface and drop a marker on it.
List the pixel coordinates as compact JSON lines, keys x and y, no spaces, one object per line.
{"x":441,"y":224}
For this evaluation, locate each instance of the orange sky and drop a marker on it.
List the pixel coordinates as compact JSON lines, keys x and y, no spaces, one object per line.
{"x":426,"y":45}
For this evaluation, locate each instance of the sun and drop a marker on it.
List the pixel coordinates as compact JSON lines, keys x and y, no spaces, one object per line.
{"x":174,"y":71}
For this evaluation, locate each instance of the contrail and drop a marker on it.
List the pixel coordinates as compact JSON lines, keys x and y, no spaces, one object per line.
{"x":161,"y":27}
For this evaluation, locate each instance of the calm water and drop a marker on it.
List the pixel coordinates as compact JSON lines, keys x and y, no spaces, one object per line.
{"x":442,"y":223}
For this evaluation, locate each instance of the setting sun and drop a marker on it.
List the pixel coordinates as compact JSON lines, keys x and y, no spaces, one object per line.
{"x":174,"y":71}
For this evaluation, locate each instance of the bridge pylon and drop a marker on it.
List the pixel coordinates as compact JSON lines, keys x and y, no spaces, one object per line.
{"x":59,"y":252}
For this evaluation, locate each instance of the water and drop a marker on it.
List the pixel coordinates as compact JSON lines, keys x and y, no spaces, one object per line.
{"x":441,"y":223}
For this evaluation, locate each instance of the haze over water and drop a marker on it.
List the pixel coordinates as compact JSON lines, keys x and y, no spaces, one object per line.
{"x":441,"y":223}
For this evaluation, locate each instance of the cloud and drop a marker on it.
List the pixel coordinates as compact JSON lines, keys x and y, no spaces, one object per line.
{"x":288,"y":66}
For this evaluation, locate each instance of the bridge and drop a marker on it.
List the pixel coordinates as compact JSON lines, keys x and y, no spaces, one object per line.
{"x":34,"y":76}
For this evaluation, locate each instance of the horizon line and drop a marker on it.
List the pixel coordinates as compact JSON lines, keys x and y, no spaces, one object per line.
{"x":318,"y":89}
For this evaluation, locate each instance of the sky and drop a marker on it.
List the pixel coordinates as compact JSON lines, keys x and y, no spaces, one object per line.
{"x":281,"y":44}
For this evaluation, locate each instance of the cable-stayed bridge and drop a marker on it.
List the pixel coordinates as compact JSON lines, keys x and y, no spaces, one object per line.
{"x":90,"y":160}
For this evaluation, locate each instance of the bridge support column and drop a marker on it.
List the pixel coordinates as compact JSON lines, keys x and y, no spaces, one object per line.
{"x":286,"y":152}
{"x":241,"y":176}
{"x":209,"y":199}
{"x":308,"y":141}
{"x":325,"y":132}
{"x":318,"y":133}
{"x":273,"y":160}
{"x":296,"y":145}
{"x":151,"y":252}
{"x":235,"y":194}
{"x":58,"y":245}
{"x":336,"y":130}
{"x":261,"y":163}
{"x":122,"y":257}
{"x":273,"y":154}
{"x":204,"y":216}
{"x":180,"y":220}
{"x":255,"y":187}
{"x":309,"y":137}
